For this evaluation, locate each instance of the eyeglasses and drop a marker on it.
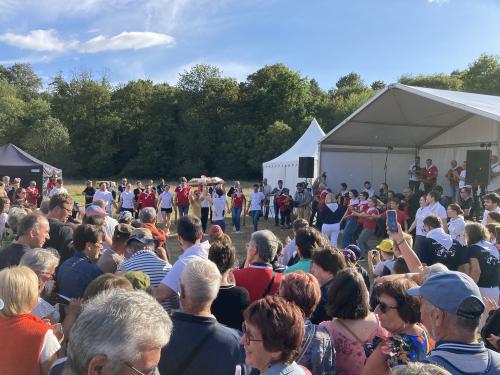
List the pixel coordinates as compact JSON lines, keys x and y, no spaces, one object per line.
{"x":148,"y":372}
{"x":247,"y":339}
{"x":383,"y":307}
{"x":49,"y":275}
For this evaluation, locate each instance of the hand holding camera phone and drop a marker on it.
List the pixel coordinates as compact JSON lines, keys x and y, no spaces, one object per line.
{"x":392,"y":221}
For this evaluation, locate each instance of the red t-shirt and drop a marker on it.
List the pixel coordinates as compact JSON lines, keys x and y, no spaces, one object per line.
{"x":238,"y":200}
{"x":282,"y":202}
{"x":32,"y":196}
{"x":370,"y":224}
{"x":430,"y":174}
{"x":50,"y":186}
{"x":255,"y":280}
{"x":362,"y":206}
{"x":401,"y":216}
{"x":182,"y":194}
{"x":147,"y":199}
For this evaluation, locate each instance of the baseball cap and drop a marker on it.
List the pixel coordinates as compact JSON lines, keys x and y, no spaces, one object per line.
{"x":386,"y":246}
{"x":94,"y":210}
{"x":123,"y":231}
{"x":139,"y":280}
{"x":142,"y":235}
{"x":449,"y":290}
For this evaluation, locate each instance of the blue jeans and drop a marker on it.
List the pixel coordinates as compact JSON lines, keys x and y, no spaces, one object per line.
{"x":255,"y":219}
{"x":454,"y":193}
{"x":183,"y":210}
{"x":349,"y":229}
{"x":221,"y":223}
{"x":236,"y":214}
{"x":365,"y":235}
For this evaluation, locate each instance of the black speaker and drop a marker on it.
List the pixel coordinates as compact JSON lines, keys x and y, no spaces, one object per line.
{"x":478,"y":167}
{"x":306,"y":167}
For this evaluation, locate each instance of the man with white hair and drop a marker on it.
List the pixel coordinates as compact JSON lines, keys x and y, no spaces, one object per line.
{"x":148,"y":218}
{"x":198,"y":339}
{"x":451,"y":310}
{"x":118,"y":332}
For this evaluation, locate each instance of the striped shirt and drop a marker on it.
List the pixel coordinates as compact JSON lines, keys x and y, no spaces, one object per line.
{"x":148,"y":262}
{"x":462,"y":358}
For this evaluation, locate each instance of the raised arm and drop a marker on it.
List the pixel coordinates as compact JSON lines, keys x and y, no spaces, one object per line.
{"x":411,"y":259}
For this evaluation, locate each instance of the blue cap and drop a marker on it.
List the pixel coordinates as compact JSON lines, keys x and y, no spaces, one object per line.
{"x":453,"y":292}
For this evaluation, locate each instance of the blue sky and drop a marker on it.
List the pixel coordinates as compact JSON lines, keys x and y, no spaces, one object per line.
{"x":322,"y":39}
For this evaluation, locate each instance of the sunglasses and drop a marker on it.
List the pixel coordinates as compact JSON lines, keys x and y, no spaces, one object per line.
{"x":384,"y":307}
{"x":247,"y":339}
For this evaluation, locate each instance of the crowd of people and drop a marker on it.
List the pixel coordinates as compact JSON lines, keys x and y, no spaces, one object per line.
{"x":98,"y":290}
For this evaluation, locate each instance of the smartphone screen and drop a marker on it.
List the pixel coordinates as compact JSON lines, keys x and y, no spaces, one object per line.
{"x":392,"y":220}
{"x":497,"y":234}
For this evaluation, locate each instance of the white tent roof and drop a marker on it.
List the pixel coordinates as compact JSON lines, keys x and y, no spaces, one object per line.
{"x":307,"y":145}
{"x":409,"y":117}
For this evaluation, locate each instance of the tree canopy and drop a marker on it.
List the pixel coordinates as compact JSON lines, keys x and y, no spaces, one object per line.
{"x":205,"y":124}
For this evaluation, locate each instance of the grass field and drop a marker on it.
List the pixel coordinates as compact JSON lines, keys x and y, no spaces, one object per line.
{"x":75,"y":189}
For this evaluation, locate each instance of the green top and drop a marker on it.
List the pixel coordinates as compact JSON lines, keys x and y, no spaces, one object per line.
{"x":301,"y":265}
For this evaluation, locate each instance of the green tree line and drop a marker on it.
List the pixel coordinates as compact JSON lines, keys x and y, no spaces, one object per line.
{"x":205,"y":124}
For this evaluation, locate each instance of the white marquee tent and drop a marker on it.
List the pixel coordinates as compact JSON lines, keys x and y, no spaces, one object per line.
{"x":380,"y":139}
{"x":286,"y":166}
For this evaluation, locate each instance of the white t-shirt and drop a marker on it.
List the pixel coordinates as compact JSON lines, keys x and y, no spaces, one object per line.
{"x":438,"y":210}
{"x":461,"y":183}
{"x":370,"y":192}
{"x":485,"y":215}
{"x":419,"y":217}
{"x":127,"y":198}
{"x":413,"y":175}
{"x":495,"y":181}
{"x":218,"y":207}
{"x":56,"y":190}
{"x":105,"y":196}
{"x":456,"y":228}
{"x":255,"y":200}
{"x":166,"y":200}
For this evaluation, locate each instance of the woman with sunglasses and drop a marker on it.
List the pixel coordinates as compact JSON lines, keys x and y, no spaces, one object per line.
{"x":399,"y":313}
{"x":272,"y":334}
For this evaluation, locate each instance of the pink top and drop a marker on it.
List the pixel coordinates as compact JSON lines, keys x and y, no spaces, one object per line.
{"x":350,"y":354}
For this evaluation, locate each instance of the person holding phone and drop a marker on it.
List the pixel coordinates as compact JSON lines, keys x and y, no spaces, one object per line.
{"x":381,"y":260}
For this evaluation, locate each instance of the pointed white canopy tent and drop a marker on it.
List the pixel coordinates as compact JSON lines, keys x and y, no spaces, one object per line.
{"x":381,"y":138}
{"x":286,"y":166}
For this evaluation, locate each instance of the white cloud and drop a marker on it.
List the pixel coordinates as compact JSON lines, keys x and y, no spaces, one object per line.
{"x":49,"y":41}
{"x":126,"y":40}
{"x":37,"y":40}
{"x":437,"y":1}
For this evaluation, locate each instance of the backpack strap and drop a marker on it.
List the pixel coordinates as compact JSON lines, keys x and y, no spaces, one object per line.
{"x":307,"y":342}
{"x":269,"y":286}
{"x":184,"y":364}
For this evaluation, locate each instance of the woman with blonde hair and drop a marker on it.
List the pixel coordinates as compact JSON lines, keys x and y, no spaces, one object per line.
{"x":29,"y":344}
{"x":331,"y":215}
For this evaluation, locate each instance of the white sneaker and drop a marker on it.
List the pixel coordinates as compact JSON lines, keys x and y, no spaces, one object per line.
{"x":237,"y":232}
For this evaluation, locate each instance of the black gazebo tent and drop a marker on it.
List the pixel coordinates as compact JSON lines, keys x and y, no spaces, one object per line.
{"x":15,"y":162}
